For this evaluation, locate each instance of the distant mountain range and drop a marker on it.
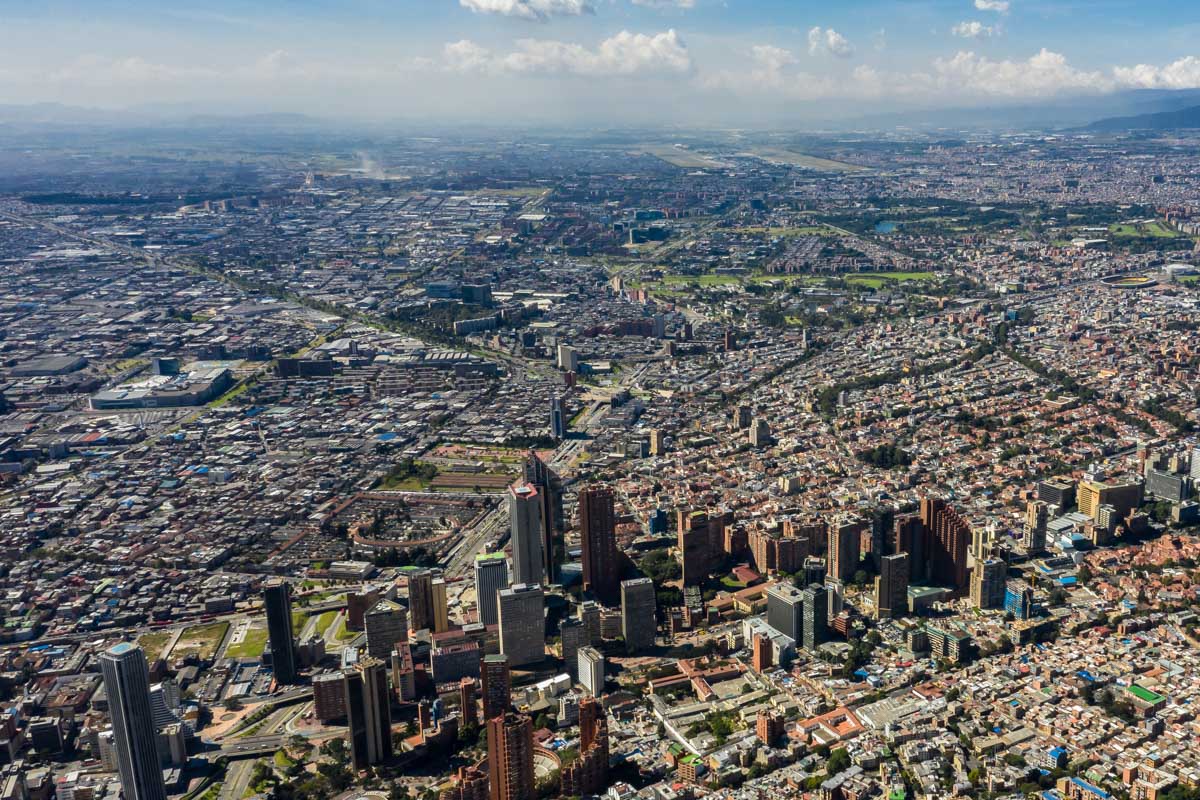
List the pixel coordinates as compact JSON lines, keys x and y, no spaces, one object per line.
{"x":1160,"y":121}
{"x":1057,"y":113}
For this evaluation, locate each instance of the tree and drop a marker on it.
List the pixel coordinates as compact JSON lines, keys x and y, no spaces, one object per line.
{"x":839,"y":761}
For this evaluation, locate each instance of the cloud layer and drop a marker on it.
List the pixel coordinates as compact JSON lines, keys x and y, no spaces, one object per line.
{"x":534,"y":10}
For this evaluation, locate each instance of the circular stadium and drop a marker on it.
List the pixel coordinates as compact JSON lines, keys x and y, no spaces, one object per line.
{"x":1128,"y":281}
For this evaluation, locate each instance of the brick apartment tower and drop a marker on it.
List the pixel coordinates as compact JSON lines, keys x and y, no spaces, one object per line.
{"x":510,"y":757}
{"x":949,"y":542}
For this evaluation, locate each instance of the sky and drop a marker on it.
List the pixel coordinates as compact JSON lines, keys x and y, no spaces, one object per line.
{"x":595,"y":62}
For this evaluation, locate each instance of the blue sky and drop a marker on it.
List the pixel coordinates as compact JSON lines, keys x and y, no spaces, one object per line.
{"x":685,"y":61}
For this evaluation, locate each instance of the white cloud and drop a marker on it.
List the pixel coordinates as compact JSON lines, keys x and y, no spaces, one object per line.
{"x":999,"y":6}
{"x":530,"y":9}
{"x":973,"y":29}
{"x":1181,"y":74}
{"x":622,"y":54}
{"x":1046,"y":73}
{"x":827,"y":40}
{"x":684,"y":4}
{"x":769,"y":64}
{"x":465,"y":56}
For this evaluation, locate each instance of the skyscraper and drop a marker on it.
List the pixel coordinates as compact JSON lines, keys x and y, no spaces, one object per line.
{"x":558,"y":419}
{"x":368,"y":712}
{"x":491,"y":575}
{"x":127,"y":683}
{"x":909,"y":537}
{"x":815,"y":617}
{"x":525,"y":520}
{"x":597,"y":526}
{"x":588,"y":774}
{"x":386,"y":623}
{"x":638,"y":623}
{"x":988,"y":582}
{"x":496,"y":685}
{"x":549,"y":487}
{"x":1037,"y":516}
{"x":441,"y":610}
{"x":420,"y":600}
{"x":591,"y":670}
{"x":845,"y":546}
{"x":891,"y":586}
{"x":785,"y":611}
{"x":949,"y":540}
{"x":522,"y":624}
{"x":573,"y":635}
{"x":510,"y":757}
{"x":277,"y":599}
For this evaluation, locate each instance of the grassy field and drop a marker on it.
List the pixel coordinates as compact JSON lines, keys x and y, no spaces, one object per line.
{"x":250,"y":647}
{"x":1157,"y":230}
{"x":203,"y":640}
{"x":324,"y":621}
{"x":153,"y":643}
{"x":702,"y":280}
{"x":877,"y":279}
{"x":344,"y":634}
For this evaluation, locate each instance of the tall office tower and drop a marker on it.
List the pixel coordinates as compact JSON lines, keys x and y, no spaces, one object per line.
{"x":491,"y":575}
{"x":510,"y":757}
{"x":883,"y":520}
{"x":835,"y":597}
{"x":386,"y":623}
{"x":420,"y":600}
{"x":989,"y":579}
{"x":466,"y":701}
{"x":558,"y":419}
{"x":815,"y":619}
{"x":785,"y":611}
{"x":587,"y":776}
{"x":742,"y":417}
{"x":589,"y":615}
{"x":1018,"y":600}
{"x":277,"y":599}
{"x":496,"y":685}
{"x":814,"y":570}
{"x":891,"y":586}
{"x":568,"y":358}
{"x":701,"y":542}
{"x":845,"y":546}
{"x":658,"y":445}
{"x":949,"y":539}
{"x":590,"y":666}
{"x":638,"y":623}
{"x":549,"y":486}
{"x":598,"y":534}
{"x":127,"y":683}
{"x":441,"y":610}
{"x":1033,"y":536}
{"x":911,"y":537}
{"x":573,"y":636}
{"x":522,"y":624}
{"x":525,"y":520}
{"x":368,"y":712}
{"x":760,"y":433}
